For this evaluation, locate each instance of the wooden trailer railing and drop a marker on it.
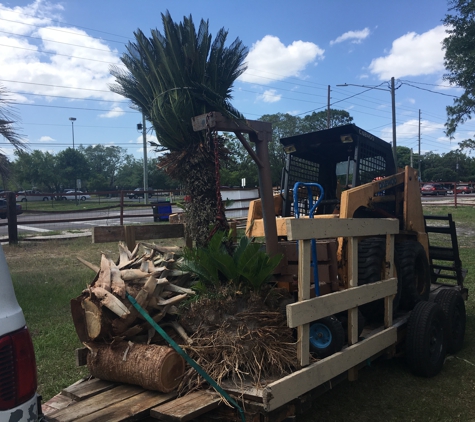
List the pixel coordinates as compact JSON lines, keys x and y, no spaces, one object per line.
{"x":307,"y":310}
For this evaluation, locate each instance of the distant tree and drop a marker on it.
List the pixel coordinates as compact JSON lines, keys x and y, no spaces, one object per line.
{"x":319,"y":121}
{"x":130,"y":175}
{"x":72,"y":165}
{"x":104,"y":163}
{"x":459,"y":60}
{"x":404,"y":157}
{"x":8,"y":120}
{"x":36,"y":169}
{"x":172,"y":77}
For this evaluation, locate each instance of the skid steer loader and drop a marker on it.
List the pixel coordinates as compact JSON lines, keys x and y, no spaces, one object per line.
{"x":357,"y":173}
{"x":346,"y":173}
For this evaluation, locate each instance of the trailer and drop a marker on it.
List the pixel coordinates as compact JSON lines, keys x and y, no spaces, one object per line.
{"x":379,"y":229}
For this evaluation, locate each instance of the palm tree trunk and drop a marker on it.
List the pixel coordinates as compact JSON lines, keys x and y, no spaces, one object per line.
{"x":196,"y":170}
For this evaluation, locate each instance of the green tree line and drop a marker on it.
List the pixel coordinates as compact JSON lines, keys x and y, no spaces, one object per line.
{"x":99,"y":167}
{"x":106,"y":168}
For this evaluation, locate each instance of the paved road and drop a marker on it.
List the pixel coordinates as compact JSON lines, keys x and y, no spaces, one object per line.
{"x":99,"y":218}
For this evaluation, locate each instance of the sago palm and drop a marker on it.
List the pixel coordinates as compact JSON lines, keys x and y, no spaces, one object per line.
{"x":172,"y":77}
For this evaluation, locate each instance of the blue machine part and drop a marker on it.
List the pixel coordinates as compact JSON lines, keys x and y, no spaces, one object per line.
{"x":313,"y":207}
{"x":320,"y":335}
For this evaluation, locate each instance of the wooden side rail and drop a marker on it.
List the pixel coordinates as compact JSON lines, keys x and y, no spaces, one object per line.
{"x":130,"y":234}
{"x":306,"y":310}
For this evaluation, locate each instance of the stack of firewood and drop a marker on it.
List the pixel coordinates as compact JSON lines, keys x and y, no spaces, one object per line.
{"x":106,"y":321}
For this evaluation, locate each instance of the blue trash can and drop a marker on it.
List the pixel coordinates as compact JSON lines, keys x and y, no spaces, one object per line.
{"x":161,"y":210}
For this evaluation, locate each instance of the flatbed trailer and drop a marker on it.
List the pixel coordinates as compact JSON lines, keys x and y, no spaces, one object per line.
{"x":277,"y":399}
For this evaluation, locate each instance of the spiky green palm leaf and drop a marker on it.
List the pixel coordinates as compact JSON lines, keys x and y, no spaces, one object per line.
{"x":178,"y":74}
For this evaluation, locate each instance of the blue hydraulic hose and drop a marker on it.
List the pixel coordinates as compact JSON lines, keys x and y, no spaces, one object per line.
{"x":313,"y":207}
{"x":183,"y":354}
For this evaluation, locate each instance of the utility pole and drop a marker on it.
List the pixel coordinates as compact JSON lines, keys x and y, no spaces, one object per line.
{"x":419,"y":170}
{"x":393,"y":104}
{"x":411,"y":158}
{"x":328,"y":108}
{"x":392,"y":90}
{"x":145,"y":165}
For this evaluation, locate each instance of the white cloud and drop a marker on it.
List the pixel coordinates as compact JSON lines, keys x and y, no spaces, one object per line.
{"x":47,"y":139}
{"x":270,"y":96}
{"x":410,"y":129}
{"x":354,"y":37}
{"x":115,"y":112}
{"x":412,"y":55}
{"x":270,"y":60}
{"x":48,"y":67}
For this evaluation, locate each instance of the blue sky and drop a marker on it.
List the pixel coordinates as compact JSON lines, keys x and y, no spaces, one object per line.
{"x":55,"y":59}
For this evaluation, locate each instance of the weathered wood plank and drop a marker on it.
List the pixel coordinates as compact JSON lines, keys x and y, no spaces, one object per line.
{"x":132,"y":409}
{"x":316,"y":228}
{"x":187,"y":407}
{"x":56,"y":403}
{"x":312,"y":309}
{"x":95,"y":403}
{"x":303,"y":331}
{"x":103,"y":234}
{"x":294,"y":385}
{"x":83,"y":390}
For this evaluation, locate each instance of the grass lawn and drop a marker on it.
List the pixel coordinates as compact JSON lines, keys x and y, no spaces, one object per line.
{"x":47,"y":275}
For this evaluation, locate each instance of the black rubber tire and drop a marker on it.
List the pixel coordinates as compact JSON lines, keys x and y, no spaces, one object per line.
{"x":426,"y":342}
{"x":332,"y":340}
{"x":83,"y":198}
{"x":413,"y":269}
{"x":23,"y":199}
{"x":371,"y":268}
{"x":453,"y":305}
{"x":343,"y":318}
{"x":45,"y":199}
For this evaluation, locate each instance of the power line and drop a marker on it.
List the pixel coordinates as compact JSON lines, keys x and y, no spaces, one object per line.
{"x":55,"y":54}
{"x":62,"y":30}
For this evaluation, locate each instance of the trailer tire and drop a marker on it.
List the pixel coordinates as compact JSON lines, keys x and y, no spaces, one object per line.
{"x":413,"y":268}
{"x":371,"y":268}
{"x":426,"y":342}
{"x":452,"y":304}
{"x":326,"y":337}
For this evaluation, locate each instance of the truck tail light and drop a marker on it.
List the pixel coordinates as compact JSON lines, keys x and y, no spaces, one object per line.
{"x":17,"y":369}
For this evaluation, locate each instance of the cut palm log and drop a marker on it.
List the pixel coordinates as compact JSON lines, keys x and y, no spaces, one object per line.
{"x":104,"y":279}
{"x":163,"y":249}
{"x":110,"y":301}
{"x":93,"y":267}
{"x":117,"y":283}
{"x":89,"y":320}
{"x":152,"y":367}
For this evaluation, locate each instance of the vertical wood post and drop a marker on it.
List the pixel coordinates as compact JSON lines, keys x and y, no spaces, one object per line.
{"x":121,"y":207}
{"x":352,"y":313}
{"x":12,"y":218}
{"x":129,"y":234}
{"x":303,"y":341}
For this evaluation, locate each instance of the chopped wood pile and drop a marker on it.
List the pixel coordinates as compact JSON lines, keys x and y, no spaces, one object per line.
{"x":113,"y":330}
{"x":233,"y":335}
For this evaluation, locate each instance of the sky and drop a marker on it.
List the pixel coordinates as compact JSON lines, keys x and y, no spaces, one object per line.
{"x":55,"y":60}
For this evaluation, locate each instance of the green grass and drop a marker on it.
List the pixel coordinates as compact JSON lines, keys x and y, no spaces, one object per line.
{"x":47,"y":275}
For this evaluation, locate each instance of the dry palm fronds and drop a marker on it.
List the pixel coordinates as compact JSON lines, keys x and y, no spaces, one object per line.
{"x":249,"y":345}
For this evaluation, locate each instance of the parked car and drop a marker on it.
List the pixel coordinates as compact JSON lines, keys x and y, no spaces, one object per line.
{"x":3,"y":210}
{"x":139,"y":193}
{"x":32,"y":195}
{"x":73,"y":194}
{"x":433,"y":189}
{"x":18,"y":377}
{"x":464,"y":189}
